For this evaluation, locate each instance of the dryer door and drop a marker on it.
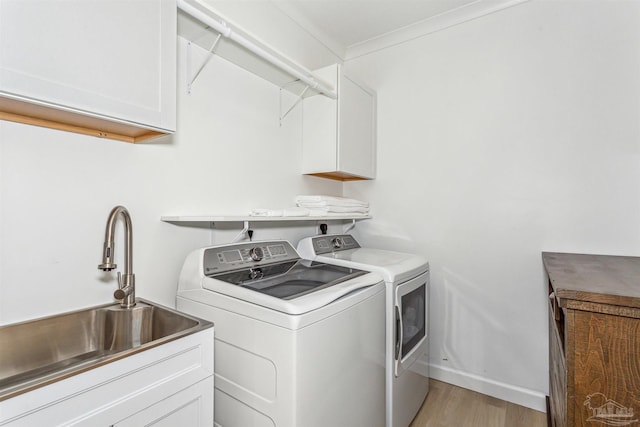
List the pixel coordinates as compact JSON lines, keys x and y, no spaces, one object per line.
{"x":411,"y":322}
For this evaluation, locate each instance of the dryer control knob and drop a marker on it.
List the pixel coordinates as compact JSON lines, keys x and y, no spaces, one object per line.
{"x":256,"y":254}
{"x":337,"y":242}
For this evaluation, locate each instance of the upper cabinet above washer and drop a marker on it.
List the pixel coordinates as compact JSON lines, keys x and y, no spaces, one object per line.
{"x":339,"y":135}
{"x":102,"y":67}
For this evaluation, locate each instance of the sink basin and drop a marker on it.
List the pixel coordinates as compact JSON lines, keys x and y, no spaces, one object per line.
{"x":42,"y":351}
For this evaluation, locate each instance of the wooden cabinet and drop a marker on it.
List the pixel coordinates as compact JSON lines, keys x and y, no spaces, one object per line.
{"x":594,"y":339}
{"x":339,"y":135}
{"x":105,"y":68}
{"x":168,"y":385}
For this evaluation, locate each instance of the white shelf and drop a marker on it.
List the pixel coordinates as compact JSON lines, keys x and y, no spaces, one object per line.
{"x":177,"y":219}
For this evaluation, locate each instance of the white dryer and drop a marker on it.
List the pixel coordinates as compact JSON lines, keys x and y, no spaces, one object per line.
{"x":298,"y":343}
{"x":407,"y":291}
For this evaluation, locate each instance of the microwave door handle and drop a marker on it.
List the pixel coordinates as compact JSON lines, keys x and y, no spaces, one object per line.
{"x":399,"y":333}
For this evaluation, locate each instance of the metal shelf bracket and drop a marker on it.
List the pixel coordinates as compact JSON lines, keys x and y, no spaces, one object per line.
{"x":297,"y":101}
{"x":242,"y":234}
{"x":190,"y":80}
{"x":350,"y":227}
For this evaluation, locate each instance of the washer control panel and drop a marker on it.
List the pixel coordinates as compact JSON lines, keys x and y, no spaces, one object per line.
{"x":222,"y":259}
{"x":334,"y":243}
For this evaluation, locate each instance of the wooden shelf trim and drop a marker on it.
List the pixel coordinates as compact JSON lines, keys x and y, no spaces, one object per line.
{"x":60,"y":118}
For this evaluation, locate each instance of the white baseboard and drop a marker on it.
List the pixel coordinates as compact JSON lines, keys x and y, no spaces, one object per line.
{"x":514,"y":394}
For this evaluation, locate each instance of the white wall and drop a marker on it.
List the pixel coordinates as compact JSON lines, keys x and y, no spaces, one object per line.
{"x":498,"y":139}
{"x":56,"y":190}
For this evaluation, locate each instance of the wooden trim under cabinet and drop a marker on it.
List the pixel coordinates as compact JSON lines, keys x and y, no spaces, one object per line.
{"x":43,"y":115}
{"x":338,"y":176}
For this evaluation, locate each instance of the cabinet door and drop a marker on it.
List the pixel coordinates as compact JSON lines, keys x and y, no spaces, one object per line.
{"x":607,"y":369}
{"x":191,"y":407}
{"x":319,"y":134}
{"x":107,"y":58}
{"x":339,"y":136}
{"x":356,"y":139}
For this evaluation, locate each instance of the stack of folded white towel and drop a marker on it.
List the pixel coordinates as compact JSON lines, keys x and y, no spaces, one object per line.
{"x":280,"y":212}
{"x":331,"y":205}
{"x":318,"y":206}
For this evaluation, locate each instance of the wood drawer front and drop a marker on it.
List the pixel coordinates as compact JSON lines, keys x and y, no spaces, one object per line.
{"x":557,"y":375}
{"x":607,"y":370}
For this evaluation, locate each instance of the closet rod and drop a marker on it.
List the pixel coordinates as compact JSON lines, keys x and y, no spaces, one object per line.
{"x":257,"y":50}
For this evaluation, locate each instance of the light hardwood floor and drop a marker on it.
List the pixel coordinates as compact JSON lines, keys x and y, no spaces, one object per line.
{"x":450,"y":406}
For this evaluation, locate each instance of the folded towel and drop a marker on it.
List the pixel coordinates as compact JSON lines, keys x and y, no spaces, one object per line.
{"x":310,"y":201}
{"x":340,"y":209}
{"x":296,"y":212}
{"x":317,"y":212}
{"x":316,"y":206}
{"x":265,"y":212}
{"x":292,"y":212}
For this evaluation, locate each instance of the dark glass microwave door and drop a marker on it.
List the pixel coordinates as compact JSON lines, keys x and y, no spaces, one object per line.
{"x":290,"y":280}
{"x":413,"y":319}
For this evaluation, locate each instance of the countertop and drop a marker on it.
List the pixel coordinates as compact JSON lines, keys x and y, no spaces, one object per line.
{"x":604,"y":279}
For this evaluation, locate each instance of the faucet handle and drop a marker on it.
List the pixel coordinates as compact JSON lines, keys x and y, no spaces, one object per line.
{"x":119,"y":293}
{"x":123,"y":291}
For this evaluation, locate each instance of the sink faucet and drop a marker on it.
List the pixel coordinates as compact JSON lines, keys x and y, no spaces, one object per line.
{"x":126,"y":291}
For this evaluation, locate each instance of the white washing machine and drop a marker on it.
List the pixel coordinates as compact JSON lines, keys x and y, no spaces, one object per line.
{"x":297,"y":342}
{"x":407,"y":291}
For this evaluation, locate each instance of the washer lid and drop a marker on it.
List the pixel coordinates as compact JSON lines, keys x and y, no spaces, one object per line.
{"x":292,"y":287}
{"x":289,"y":280}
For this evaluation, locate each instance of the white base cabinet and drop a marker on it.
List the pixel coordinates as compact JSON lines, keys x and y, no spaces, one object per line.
{"x":168,"y":385}
{"x":102,"y":64}
{"x":339,"y":135}
{"x":188,"y":407}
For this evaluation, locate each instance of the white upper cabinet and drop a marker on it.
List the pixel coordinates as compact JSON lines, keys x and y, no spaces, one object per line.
{"x":101,"y":67}
{"x":339,"y":135}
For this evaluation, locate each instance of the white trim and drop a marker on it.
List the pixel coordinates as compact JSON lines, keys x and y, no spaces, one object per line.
{"x":436,"y":23}
{"x":511,"y":393}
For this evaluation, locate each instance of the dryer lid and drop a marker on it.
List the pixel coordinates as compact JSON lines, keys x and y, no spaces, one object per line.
{"x":344,"y":250}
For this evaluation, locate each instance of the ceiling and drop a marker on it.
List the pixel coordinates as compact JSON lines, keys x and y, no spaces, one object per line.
{"x":351,"y":28}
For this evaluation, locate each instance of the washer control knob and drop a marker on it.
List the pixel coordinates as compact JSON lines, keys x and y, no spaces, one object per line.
{"x":337,"y":242}
{"x":256,"y":254}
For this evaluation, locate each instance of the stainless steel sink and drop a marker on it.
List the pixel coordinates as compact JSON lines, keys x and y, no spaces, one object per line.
{"x":42,"y":351}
